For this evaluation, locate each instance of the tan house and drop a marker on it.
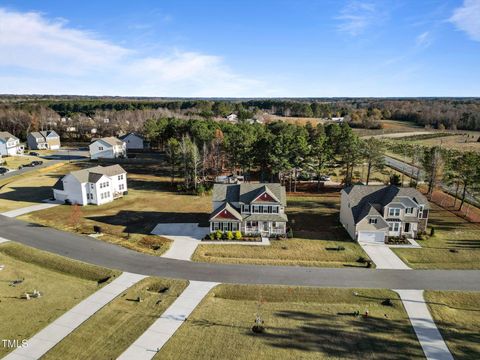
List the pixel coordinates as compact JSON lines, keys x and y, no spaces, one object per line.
{"x":249,"y":208}
{"x":38,"y":140}
{"x":372,"y":213}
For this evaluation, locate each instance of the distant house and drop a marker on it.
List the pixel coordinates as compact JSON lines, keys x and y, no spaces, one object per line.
{"x":372,"y":213}
{"x":249,"y":208}
{"x":97,"y":185}
{"x":9,"y":144}
{"x":39,"y":140}
{"x":232,"y":117}
{"x":107,"y":148}
{"x":133,"y":141}
{"x":338,"y":119}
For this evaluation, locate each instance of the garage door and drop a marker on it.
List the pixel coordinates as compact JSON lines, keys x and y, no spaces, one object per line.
{"x":371,"y":237}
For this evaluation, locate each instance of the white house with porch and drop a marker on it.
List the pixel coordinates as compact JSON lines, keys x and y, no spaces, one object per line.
{"x":9,"y":144}
{"x":97,"y":185}
{"x":107,"y":148}
{"x":249,"y":208}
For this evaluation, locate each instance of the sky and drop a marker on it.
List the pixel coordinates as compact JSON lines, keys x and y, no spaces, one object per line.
{"x":241,"y":48}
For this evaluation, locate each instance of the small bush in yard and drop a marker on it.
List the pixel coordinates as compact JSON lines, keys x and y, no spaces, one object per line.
{"x":238,"y":235}
{"x":218,"y":234}
{"x":432,"y":231}
{"x":290,"y":233}
{"x":229,"y":235}
{"x":211,"y":236}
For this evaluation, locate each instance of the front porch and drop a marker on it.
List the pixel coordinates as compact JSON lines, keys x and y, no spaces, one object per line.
{"x":264,"y":228}
{"x":400,"y":228}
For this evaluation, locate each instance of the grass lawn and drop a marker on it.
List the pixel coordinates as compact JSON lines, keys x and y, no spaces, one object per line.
{"x":458,"y":318}
{"x":116,"y":326}
{"x":62,"y":282}
{"x":13,"y":162}
{"x":300,"y":322}
{"x":454,"y":142}
{"x":456,"y":244}
{"x":27,"y":189}
{"x":128,"y":221}
{"x":316,"y":230}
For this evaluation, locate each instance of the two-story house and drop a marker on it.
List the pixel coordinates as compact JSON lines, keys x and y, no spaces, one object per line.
{"x":97,"y":185}
{"x":38,"y":140}
{"x":9,"y":144}
{"x":250,"y":208}
{"x":107,"y":148}
{"x":372,"y":213}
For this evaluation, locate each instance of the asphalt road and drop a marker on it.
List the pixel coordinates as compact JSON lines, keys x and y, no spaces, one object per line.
{"x":419,"y":175}
{"x":97,"y":252}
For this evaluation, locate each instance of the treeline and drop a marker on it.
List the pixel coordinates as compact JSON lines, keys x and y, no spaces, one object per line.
{"x":459,"y":169}
{"x":279,"y":151}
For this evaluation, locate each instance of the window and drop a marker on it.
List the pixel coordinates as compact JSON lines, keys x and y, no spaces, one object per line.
{"x":409,"y":210}
{"x":121,"y":187}
{"x":372,"y":221}
{"x":393,"y":212}
{"x":120,"y":177}
{"x":100,"y":148}
{"x":275,"y":209}
{"x":394,"y":226}
{"x":420,"y":212}
{"x":246,"y":208}
{"x":216,"y":226}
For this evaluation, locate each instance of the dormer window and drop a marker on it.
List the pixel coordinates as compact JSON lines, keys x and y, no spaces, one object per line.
{"x":246,"y":208}
{"x":372,"y":220}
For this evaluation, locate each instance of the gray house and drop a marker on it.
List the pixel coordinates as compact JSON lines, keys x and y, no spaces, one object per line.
{"x":371,"y":214}
{"x":133,"y":141}
{"x":250,"y":208}
{"x":38,"y":140}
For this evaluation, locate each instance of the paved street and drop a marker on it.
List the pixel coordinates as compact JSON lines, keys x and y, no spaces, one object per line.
{"x":95,"y":251}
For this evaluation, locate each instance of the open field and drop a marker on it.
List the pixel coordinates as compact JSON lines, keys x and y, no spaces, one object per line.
{"x":317,"y":233}
{"x":300,"y":322}
{"x":458,"y":319}
{"x":456,"y":244}
{"x":454,"y":142}
{"x":62,"y":282}
{"x":128,"y":221}
{"x":390,"y":127}
{"x":117,"y":325}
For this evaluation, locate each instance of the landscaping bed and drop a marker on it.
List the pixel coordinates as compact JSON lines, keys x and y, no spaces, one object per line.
{"x":298,"y":322}
{"x":62,"y":283}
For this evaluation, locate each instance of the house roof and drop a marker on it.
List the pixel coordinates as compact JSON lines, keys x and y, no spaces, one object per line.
{"x":42,"y":135}
{"x":112,"y":141}
{"x":364,"y":197}
{"x":95,"y":173}
{"x":226,"y":207}
{"x":266,"y":217}
{"x":123,"y":137}
{"x":246,"y":193}
{"x":5,"y":136}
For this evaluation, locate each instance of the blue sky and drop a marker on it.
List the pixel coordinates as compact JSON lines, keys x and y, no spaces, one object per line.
{"x":261,"y":48}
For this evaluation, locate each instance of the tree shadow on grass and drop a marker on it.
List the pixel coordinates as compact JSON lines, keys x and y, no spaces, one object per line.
{"x":143,"y":222}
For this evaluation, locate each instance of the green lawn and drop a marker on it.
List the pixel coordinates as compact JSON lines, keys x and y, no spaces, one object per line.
{"x":128,"y":221}
{"x":300,"y":322}
{"x":458,"y":317}
{"x":62,"y":282}
{"x":317,"y":232}
{"x":117,"y":325}
{"x":456,"y":244}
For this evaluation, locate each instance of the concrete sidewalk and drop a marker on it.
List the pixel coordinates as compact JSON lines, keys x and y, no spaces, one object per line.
{"x":157,"y":335}
{"x":427,"y":332}
{"x":2,"y":240}
{"x":28,"y":209}
{"x":51,"y":335}
{"x":383,"y":257}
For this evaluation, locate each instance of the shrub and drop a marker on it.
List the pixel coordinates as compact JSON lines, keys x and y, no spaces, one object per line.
{"x":218,"y":234}
{"x":290,"y":233}
{"x":238,"y":235}
{"x":229,"y":235}
{"x":432,"y":231}
{"x":211,"y":236}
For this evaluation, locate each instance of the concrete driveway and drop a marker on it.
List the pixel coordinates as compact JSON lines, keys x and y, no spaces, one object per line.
{"x":383,"y":256}
{"x":185,"y":236}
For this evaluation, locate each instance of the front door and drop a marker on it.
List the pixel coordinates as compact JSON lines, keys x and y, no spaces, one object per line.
{"x":265,"y":226}
{"x":407,"y":227}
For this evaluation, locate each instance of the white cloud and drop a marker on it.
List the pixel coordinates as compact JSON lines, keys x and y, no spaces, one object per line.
{"x":467,"y":18}
{"x":424,"y":39}
{"x":40,"y":54}
{"x":356,"y":17}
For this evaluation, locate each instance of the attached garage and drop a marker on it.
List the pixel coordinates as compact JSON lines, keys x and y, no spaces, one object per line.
{"x":371,"y":237}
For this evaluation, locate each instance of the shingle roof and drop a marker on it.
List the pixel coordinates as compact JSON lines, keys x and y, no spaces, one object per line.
{"x":131,"y":133}
{"x":42,"y":135}
{"x":246,"y":193}
{"x":363,"y":197}
{"x":5,"y":135}
{"x":266,"y":217}
{"x":111,"y":140}
{"x":95,"y":173}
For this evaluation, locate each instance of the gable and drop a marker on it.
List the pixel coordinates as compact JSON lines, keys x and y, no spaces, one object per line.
{"x":264,"y":197}
{"x":224,"y":214}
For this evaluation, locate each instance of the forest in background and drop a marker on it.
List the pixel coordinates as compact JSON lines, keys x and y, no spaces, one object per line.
{"x":114,"y":116}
